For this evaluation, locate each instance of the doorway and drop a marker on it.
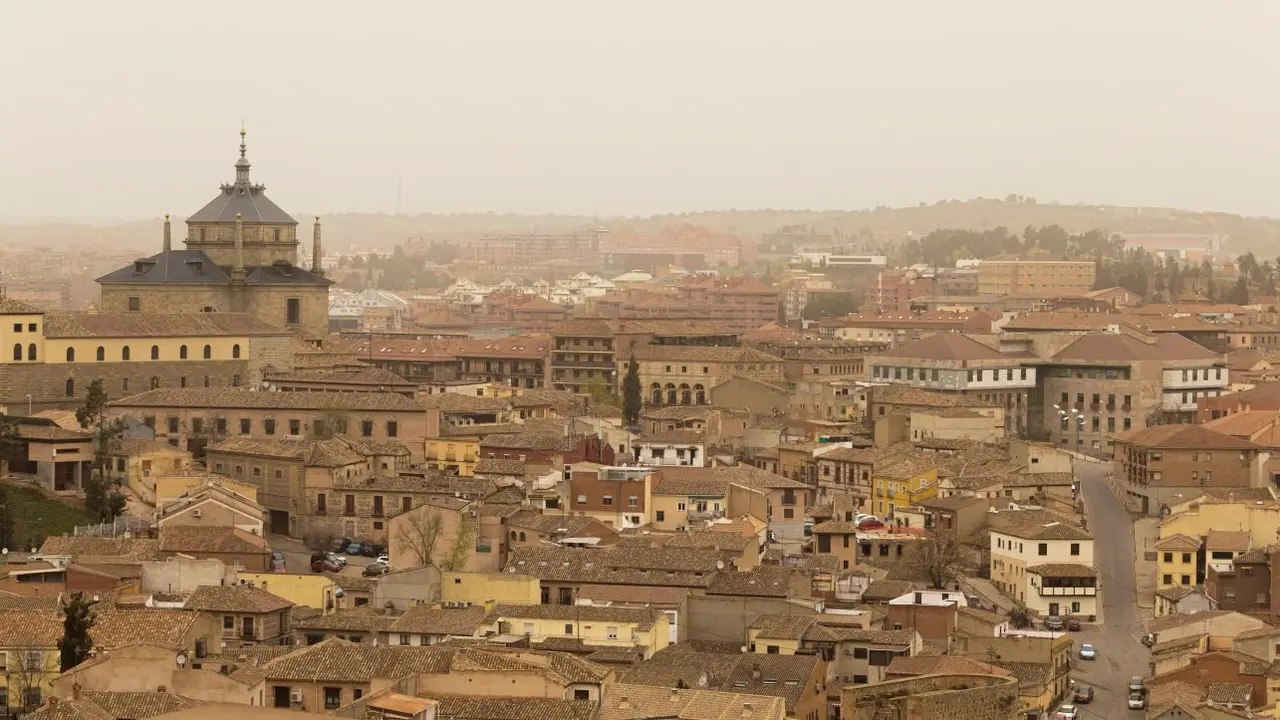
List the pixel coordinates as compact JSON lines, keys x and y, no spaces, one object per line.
{"x":280,"y":696}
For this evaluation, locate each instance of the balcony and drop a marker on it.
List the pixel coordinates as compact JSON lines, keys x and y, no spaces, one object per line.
{"x":1068,"y":591}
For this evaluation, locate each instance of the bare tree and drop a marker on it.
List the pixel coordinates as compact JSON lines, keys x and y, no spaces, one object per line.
{"x":938,"y":559}
{"x":422,"y":536}
{"x":26,"y":673}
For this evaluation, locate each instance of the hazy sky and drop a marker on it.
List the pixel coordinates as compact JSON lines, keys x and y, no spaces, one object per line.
{"x":131,"y":109}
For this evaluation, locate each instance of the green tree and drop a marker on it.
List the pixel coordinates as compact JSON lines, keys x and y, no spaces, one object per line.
{"x":631,"y":394}
{"x":10,"y":444}
{"x":823,"y":305}
{"x":102,"y":498}
{"x":600,"y":393}
{"x":77,"y":620}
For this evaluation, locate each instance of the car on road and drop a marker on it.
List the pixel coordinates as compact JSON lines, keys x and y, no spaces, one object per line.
{"x":354,"y":548}
{"x":1138,"y":685}
{"x":1088,"y":652}
{"x":1073,"y":624}
{"x":1067,"y":712}
{"x":1137,"y":701}
{"x":321,"y":563}
{"x":1053,"y":622}
{"x":376,"y":569}
{"x":1083,"y":694}
{"x":336,"y":559}
{"x":277,"y":561}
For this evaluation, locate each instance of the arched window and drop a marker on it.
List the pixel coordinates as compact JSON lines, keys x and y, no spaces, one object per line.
{"x":655,"y":390}
{"x":671,"y":394}
{"x":71,"y":354}
{"x":124,"y":353}
{"x":686,"y":395}
{"x":235,"y":381}
{"x":155,"y":382}
{"x":235,"y":351}
{"x":17,"y":351}
{"x":182,"y":353}
{"x":513,"y":534}
{"x":102,"y":353}
{"x":71,"y":387}
{"x":699,"y":395}
{"x":155,"y":352}
{"x":522,"y":536}
{"x":31,"y":351}
{"x":208,"y":352}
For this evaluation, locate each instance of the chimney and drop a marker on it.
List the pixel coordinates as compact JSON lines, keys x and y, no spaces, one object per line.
{"x":53,"y":703}
{"x":755,"y":671}
{"x":624,"y":703}
{"x":316,"y":268}
{"x":168,"y":234}
{"x":746,"y":710}
{"x":75,"y":691}
{"x":675,"y":694}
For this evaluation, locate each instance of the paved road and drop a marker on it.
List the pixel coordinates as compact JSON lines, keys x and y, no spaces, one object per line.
{"x":1121,"y":654}
{"x":297,"y":557}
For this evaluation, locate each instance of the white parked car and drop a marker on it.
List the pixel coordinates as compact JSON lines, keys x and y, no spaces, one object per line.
{"x":1137,"y":701}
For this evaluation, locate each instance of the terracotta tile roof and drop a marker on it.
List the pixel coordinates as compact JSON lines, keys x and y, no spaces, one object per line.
{"x":370,"y":376}
{"x":139,"y":705}
{"x":57,"y":709}
{"x":451,"y":402}
{"x":1242,"y":424}
{"x":886,"y":590}
{"x":745,"y":475}
{"x":642,"y":702}
{"x":584,"y":327}
{"x":665,"y":483}
{"x":117,"y":627}
{"x":50,"y":431}
{"x":13,"y":306}
{"x":617,"y":565}
{"x":945,"y":346}
{"x":243,"y":398}
{"x":1029,"y":674}
{"x":1233,"y":540}
{"x":203,"y":539}
{"x":910,"y":396}
{"x":678,"y":436}
{"x":37,"y":628}
{"x":468,"y":707}
{"x":336,"y":451}
{"x":1064,"y":570}
{"x":1166,"y":696}
{"x":511,"y":497}
{"x":131,"y":548}
{"x":365,"y":618}
{"x":781,"y":627}
{"x":1036,"y":525}
{"x":1176,"y":593}
{"x":1183,"y":437}
{"x":235,"y":599}
{"x":763,"y":581}
{"x":427,"y":620}
{"x":1112,"y":347}
{"x":146,"y":325}
{"x":530,"y":441}
{"x":625,"y":594}
{"x":336,"y":660}
{"x":784,"y":676}
{"x":706,"y":353}
{"x":911,"y":666}
{"x":1172,"y":621}
{"x":1059,"y":479}
{"x":678,"y":412}
{"x":551,"y":524}
{"x":1178,"y":541}
{"x":500,"y":466}
{"x":643,"y":618}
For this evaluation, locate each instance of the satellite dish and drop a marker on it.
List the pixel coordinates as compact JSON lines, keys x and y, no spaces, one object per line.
{"x":4,"y":551}
{"x":719,"y":564}
{"x":743,"y":648}
{"x":182,"y":660}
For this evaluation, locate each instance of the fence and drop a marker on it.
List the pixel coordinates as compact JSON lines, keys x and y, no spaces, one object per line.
{"x":122,"y":525}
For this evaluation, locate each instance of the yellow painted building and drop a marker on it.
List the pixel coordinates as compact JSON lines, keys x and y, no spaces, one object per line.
{"x":1176,"y":561}
{"x":316,"y":591}
{"x":490,"y":589}
{"x":903,"y":484}
{"x":29,"y":651}
{"x":457,"y":451}
{"x":137,"y":462}
{"x":169,"y":487}
{"x":772,"y":645}
{"x":1196,"y":517}
{"x":646,"y":629}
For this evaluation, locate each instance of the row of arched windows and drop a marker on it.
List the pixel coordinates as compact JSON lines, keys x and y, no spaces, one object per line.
{"x":683,"y":395}
{"x":125,"y":353}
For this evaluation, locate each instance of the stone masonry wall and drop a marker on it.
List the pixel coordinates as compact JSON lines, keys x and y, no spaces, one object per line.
{"x":47,"y":384}
{"x":955,"y":697}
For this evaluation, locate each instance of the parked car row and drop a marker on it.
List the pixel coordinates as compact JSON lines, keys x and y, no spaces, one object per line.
{"x":1083,"y":694}
{"x":327,"y":562}
{"x":359,"y":548}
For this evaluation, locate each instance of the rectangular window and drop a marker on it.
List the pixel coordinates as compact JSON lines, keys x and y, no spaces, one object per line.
{"x":1043,"y":549}
{"x":406,"y":503}
{"x":172,"y":423}
{"x":135,"y":304}
{"x":244,"y":426}
{"x":293,"y":311}
{"x":377,"y":505}
{"x":366,"y":428}
{"x":661,"y":515}
{"x":321,"y":507}
{"x":332,"y":698}
{"x":349,"y":504}
{"x":269,"y":426}
{"x":295,"y":427}
{"x":606,"y":500}
{"x":393,"y":428}
{"x":221,"y":425}
{"x":1075,"y":548}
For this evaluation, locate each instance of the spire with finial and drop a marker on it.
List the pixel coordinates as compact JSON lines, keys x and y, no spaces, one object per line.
{"x":242,"y":165}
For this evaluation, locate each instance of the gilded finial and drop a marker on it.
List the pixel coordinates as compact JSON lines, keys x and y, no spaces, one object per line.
{"x":243,"y":132}
{"x":166,"y":217}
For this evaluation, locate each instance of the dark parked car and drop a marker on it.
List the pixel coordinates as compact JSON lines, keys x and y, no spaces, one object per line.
{"x":355,"y":548}
{"x":376,"y":569}
{"x":320,"y":562}
{"x":1084,"y":694}
{"x":373,"y":550}
{"x":1073,"y":624}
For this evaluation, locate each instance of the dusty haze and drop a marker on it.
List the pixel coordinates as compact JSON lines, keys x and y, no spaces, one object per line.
{"x":130,"y":109}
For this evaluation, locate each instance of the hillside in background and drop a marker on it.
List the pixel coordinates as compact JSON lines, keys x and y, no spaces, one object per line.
{"x":342,"y":231}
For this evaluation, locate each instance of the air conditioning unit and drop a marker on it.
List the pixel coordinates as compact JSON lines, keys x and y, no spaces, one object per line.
{"x":196,"y":513}
{"x":295,"y":696}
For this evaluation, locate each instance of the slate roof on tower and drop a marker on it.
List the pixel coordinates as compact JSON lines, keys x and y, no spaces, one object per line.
{"x":194,"y":267}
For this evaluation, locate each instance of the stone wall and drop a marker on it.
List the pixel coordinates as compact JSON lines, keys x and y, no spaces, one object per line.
{"x":265,"y":302}
{"x":47,"y":384}
{"x":955,"y":697}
